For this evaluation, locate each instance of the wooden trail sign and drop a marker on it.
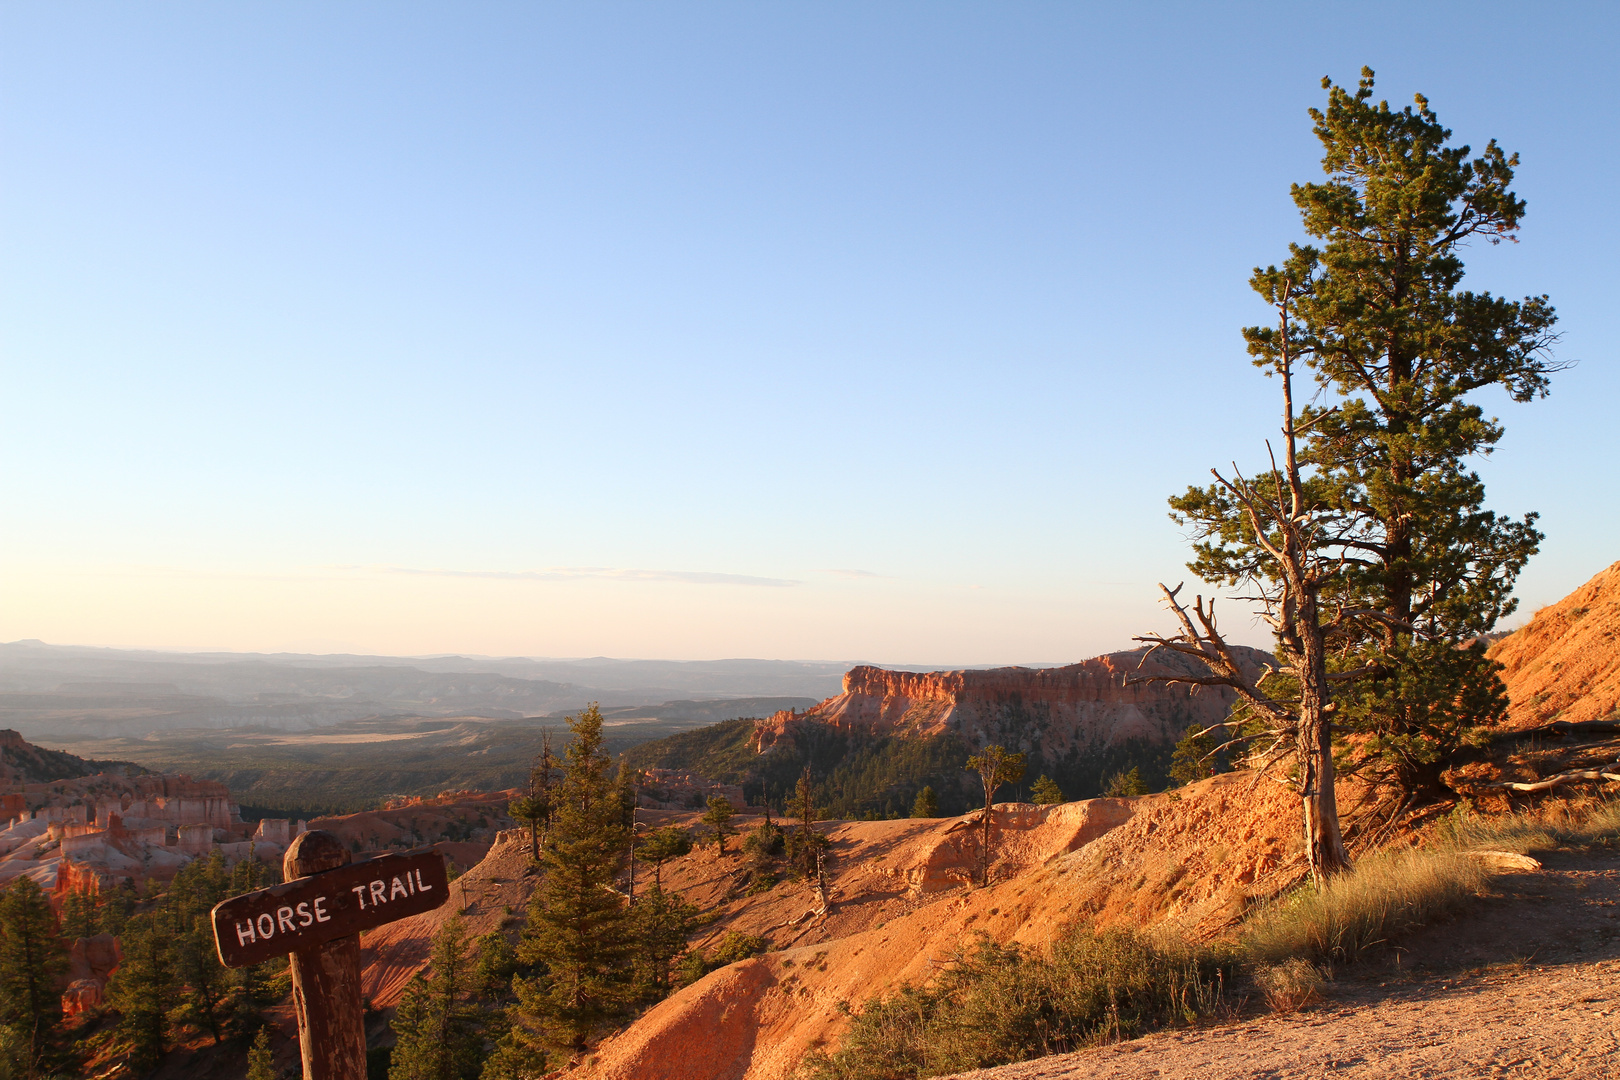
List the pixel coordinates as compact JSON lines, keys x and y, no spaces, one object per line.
{"x":317,"y":917}
{"x":310,"y":911}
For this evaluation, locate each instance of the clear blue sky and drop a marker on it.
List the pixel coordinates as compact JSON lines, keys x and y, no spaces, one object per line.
{"x":699,"y":330}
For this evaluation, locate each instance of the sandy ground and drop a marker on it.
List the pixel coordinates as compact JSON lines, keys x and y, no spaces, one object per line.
{"x":1528,"y":987}
{"x":1539,"y":1022}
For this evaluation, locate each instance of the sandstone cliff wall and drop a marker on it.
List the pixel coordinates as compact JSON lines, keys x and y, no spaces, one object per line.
{"x":1086,"y":705}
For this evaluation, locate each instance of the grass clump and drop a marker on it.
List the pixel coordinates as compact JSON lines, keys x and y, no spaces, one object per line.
{"x":1385,"y":896}
{"x":1290,"y":984}
{"x":997,"y":1004}
{"x":1552,"y":826}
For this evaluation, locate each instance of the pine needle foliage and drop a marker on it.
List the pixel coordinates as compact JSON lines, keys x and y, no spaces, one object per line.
{"x":436,"y":1022}
{"x":1045,"y":792}
{"x":31,"y":958}
{"x":579,"y":937}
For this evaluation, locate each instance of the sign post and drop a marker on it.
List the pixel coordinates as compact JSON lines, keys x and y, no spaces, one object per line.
{"x":317,"y":917}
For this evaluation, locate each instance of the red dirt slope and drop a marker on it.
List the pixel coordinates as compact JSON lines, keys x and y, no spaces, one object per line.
{"x":1565,"y":663}
{"x":1215,"y":846}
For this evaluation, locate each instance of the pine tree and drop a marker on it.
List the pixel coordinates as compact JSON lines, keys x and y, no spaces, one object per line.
{"x":31,"y":958}
{"x":497,"y":961}
{"x":995,"y":766}
{"x":261,"y":1064}
{"x":142,"y":990}
{"x":1194,"y":758}
{"x":1126,"y":785}
{"x":662,"y":922}
{"x":578,"y":930}
{"x":718,"y":819}
{"x":1393,"y":335}
{"x":926,"y":804}
{"x":206,"y":985}
{"x":536,"y":806}
{"x":662,"y":845}
{"x":79,"y":915}
{"x":435,"y":1024}
{"x":1045,"y":791}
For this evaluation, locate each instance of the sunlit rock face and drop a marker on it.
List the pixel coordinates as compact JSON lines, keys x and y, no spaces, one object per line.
{"x":1095,"y":703}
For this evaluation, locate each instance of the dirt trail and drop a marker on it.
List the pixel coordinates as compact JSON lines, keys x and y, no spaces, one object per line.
{"x":1528,"y":987}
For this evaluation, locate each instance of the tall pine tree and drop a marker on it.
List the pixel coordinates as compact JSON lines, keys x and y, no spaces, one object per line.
{"x":31,"y":958}
{"x":579,"y":934}
{"x":436,"y":1023}
{"x":142,"y":990}
{"x":1402,"y":348}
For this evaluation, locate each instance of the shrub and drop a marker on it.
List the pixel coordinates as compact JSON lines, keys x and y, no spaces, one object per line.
{"x":996,"y":1004}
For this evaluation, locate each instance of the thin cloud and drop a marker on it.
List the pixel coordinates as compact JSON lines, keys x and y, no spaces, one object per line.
{"x":579,"y":573}
{"x":852,"y":573}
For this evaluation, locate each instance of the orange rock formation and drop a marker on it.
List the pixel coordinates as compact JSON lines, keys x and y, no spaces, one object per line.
{"x":1056,"y":709}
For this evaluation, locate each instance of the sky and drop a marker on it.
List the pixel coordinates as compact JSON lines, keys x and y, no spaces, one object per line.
{"x":801,"y":331}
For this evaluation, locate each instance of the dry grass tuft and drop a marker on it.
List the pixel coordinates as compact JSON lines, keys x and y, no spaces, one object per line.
{"x":996,"y":1004}
{"x":1552,"y":826}
{"x":1291,"y":984}
{"x":1385,"y":896}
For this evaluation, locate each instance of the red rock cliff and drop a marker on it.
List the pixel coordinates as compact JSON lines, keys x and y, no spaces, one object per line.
{"x":1081,"y":705}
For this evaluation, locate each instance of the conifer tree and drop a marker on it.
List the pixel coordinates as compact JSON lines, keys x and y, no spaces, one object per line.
{"x":142,"y":990}
{"x":1126,"y":785}
{"x":718,"y":819}
{"x":926,"y":804}
{"x":662,"y":921}
{"x":205,"y":983}
{"x":261,"y":1063}
{"x":435,"y":1022}
{"x":1045,"y":791}
{"x":1403,"y":346}
{"x":662,"y":845}
{"x":497,"y":961}
{"x":995,"y":766}
{"x":536,"y":806}
{"x":579,"y":931}
{"x":1194,"y":758}
{"x":79,"y":915}
{"x":31,"y":958}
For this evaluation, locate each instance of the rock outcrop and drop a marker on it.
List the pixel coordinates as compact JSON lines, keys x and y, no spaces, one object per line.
{"x":1056,"y":710}
{"x":75,"y":832}
{"x":91,"y":962}
{"x":1565,"y":663}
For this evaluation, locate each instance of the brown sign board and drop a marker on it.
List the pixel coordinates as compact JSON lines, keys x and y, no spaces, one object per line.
{"x":310,"y":911}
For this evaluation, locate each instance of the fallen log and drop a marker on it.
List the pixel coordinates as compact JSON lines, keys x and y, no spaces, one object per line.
{"x":1562,"y":728}
{"x":1606,"y":772}
{"x":1506,"y":860}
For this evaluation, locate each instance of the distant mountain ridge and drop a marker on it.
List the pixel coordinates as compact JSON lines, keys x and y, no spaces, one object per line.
{"x":80,"y":692}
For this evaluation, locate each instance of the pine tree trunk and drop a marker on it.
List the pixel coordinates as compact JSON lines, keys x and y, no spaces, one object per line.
{"x":1324,"y":843}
